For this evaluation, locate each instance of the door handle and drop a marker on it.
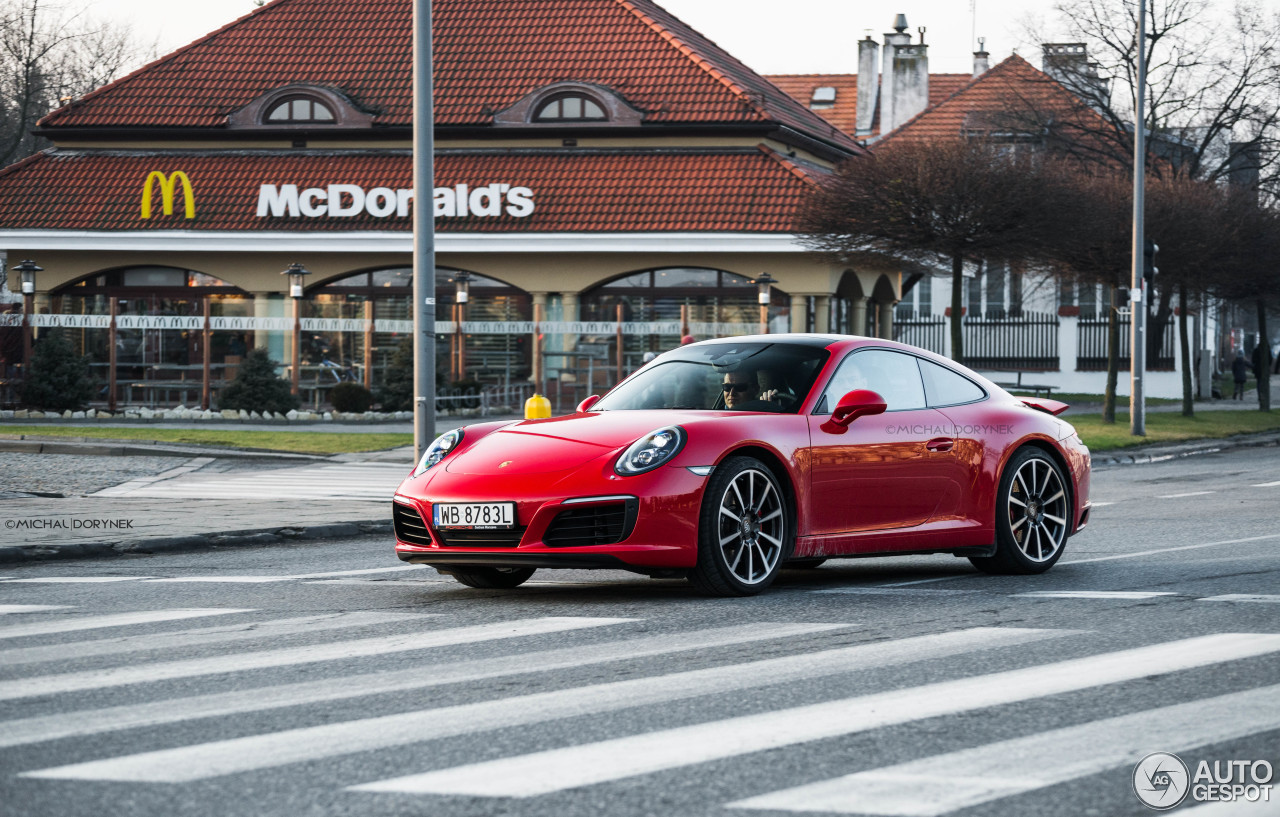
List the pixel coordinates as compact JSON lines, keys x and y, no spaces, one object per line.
{"x":940,"y":444}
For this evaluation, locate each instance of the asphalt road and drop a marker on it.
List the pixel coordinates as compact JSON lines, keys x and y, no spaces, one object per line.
{"x":325,"y":679}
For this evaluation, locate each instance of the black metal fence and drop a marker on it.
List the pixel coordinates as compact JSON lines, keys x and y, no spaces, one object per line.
{"x":926,"y":331}
{"x":1091,"y":346}
{"x":1028,"y":340}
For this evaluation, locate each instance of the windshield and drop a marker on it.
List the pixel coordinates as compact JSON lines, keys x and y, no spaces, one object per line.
{"x":772,"y":377}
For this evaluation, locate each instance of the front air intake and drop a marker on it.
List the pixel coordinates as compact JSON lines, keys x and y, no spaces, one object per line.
{"x":605,"y":524}
{"x":409,"y":526}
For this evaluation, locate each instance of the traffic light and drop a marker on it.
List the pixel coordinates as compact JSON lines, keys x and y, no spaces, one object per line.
{"x":1149,"y":268}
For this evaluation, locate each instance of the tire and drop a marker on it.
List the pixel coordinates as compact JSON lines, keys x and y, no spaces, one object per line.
{"x":743,"y":503}
{"x":1033,"y":515}
{"x":492,"y":578}
{"x":804,"y":564}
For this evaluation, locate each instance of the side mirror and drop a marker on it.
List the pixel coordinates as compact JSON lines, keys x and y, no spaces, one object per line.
{"x":589,"y":402}
{"x":855,"y":404}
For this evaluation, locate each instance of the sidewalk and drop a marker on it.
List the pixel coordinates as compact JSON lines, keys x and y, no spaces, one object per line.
{"x":50,"y":527}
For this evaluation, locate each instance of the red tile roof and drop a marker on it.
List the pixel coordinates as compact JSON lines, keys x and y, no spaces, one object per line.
{"x":489,"y":54}
{"x":1003,"y":98}
{"x":844,"y":113}
{"x":739,"y":190}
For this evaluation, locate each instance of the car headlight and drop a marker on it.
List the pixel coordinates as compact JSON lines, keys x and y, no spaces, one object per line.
{"x":650,"y":451}
{"x":438,"y":450}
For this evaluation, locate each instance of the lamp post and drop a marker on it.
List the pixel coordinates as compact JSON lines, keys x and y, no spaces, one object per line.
{"x":462,"y":292}
{"x":763,"y":283}
{"x":295,"y":273}
{"x":28,"y":268}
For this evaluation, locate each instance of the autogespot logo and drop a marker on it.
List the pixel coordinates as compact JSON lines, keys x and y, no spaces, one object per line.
{"x":1161,"y":781}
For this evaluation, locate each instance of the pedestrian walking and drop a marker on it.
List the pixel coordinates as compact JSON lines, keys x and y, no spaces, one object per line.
{"x":1240,"y":372}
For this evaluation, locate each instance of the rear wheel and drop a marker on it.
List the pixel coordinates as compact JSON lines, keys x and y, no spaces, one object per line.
{"x":743,"y":531}
{"x":492,"y":578}
{"x":1033,"y":510}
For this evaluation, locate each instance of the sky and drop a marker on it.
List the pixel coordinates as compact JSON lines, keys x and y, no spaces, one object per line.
{"x":795,"y":37}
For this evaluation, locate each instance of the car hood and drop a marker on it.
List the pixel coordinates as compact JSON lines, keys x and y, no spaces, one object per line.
{"x":558,"y":443}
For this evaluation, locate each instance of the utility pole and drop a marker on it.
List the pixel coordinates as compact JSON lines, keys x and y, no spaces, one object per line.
{"x":424,"y":245}
{"x":1138,"y":301}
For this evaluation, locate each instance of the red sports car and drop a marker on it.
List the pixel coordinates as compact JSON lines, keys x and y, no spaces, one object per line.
{"x":730,"y":459}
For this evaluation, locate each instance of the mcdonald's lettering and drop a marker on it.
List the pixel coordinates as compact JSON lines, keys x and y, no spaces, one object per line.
{"x":167,"y":189}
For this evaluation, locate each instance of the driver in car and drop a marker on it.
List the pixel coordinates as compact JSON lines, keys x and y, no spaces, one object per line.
{"x":743,"y":386}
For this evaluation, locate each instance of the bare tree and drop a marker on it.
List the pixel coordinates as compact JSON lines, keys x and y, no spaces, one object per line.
{"x":50,"y":54}
{"x":1213,"y":99}
{"x":1249,"y":271}
{"x":1093,"y":244}
{"x":930,"y":204}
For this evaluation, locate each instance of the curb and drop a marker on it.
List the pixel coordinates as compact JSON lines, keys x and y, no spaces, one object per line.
{"x":84,"y":446}
{"x":1144,"y":456}
{"x":205,"y":541}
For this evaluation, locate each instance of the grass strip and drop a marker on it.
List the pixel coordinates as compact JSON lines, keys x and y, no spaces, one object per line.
{"x":1171,"y":428}
{"x":296,"y":442}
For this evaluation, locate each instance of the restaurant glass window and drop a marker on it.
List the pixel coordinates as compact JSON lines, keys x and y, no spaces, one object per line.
{"x":711,"y":295}
{"x":156,"y":354}
{"x":492,"y":357}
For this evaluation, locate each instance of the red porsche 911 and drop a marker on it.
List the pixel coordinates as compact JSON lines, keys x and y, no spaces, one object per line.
{"x":730,"y":459}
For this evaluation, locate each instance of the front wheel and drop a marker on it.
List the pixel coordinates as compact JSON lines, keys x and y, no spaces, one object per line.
{"x":492,"y":578}
{"x":1033,"y":512}
{"x":743,"y":530}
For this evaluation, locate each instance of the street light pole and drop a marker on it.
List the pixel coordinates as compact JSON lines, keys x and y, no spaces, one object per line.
{"x":1137,"y":304}
{"x":295,"y":273}
{"x":28,"y":268}
{"x":424,"y":248}
{"x":763,"y":284}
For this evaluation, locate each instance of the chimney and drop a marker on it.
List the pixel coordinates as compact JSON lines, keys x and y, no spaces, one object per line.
{"x":892,"y":42}
{"x":910,"y":84}
{"x":1244,"y":164}
{"x":868,"y":86}
{"x":981,"y":59}
{"x":1068,"y":63}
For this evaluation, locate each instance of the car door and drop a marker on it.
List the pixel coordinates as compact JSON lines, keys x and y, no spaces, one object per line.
{"x":962,"y":402}
{"x":878,"y":472}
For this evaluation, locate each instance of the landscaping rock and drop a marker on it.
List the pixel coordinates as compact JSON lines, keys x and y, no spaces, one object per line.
{"x":230,"y":414}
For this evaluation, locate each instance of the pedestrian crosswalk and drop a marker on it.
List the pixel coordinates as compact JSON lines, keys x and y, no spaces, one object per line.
{"x":348,"y":480}
{"x":760,"y":688}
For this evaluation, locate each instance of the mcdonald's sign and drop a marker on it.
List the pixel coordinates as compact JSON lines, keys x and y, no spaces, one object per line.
{"x":168,"y":184}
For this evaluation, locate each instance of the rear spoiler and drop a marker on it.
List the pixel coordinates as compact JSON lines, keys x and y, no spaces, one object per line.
{"x":1044,"y":404}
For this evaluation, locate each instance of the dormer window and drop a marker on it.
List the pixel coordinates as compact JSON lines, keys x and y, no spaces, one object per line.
{"x":300,"y":106}
{"x":570,"y":108}
{"x":300,"y":110}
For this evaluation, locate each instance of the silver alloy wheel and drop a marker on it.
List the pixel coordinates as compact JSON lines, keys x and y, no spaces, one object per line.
{"x":751,"y":527}
{"x":1037,"y":510}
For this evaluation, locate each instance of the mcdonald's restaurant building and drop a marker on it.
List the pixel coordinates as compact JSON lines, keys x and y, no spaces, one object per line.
{"x":595,"y":158}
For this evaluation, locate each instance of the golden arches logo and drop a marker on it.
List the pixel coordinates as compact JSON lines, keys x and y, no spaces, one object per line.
{"x":168,"y":186}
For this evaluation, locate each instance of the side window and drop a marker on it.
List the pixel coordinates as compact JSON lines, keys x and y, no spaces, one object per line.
{"x":892,"y":375}
{"x":944,"y":387}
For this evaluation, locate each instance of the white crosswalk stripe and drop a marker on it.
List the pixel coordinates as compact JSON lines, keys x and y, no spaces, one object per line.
{"x":364,"y":480}
{"x":755,"y":656}
{"x":202,"y":637}
{"x":592,"y":763}
{"x":70,"y":625}
{"x":10,"y":609}
{"x":51,"y":727}
{"x":241,"y":662}
{"x":297,"y":745}
{"x":945,"y":783}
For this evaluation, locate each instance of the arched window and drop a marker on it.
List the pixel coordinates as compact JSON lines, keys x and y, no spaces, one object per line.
{"x":298,"y":110}
{"x":570,"y":108}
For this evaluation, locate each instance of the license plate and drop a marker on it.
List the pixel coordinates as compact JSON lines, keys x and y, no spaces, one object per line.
{"x":475,"y":515}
